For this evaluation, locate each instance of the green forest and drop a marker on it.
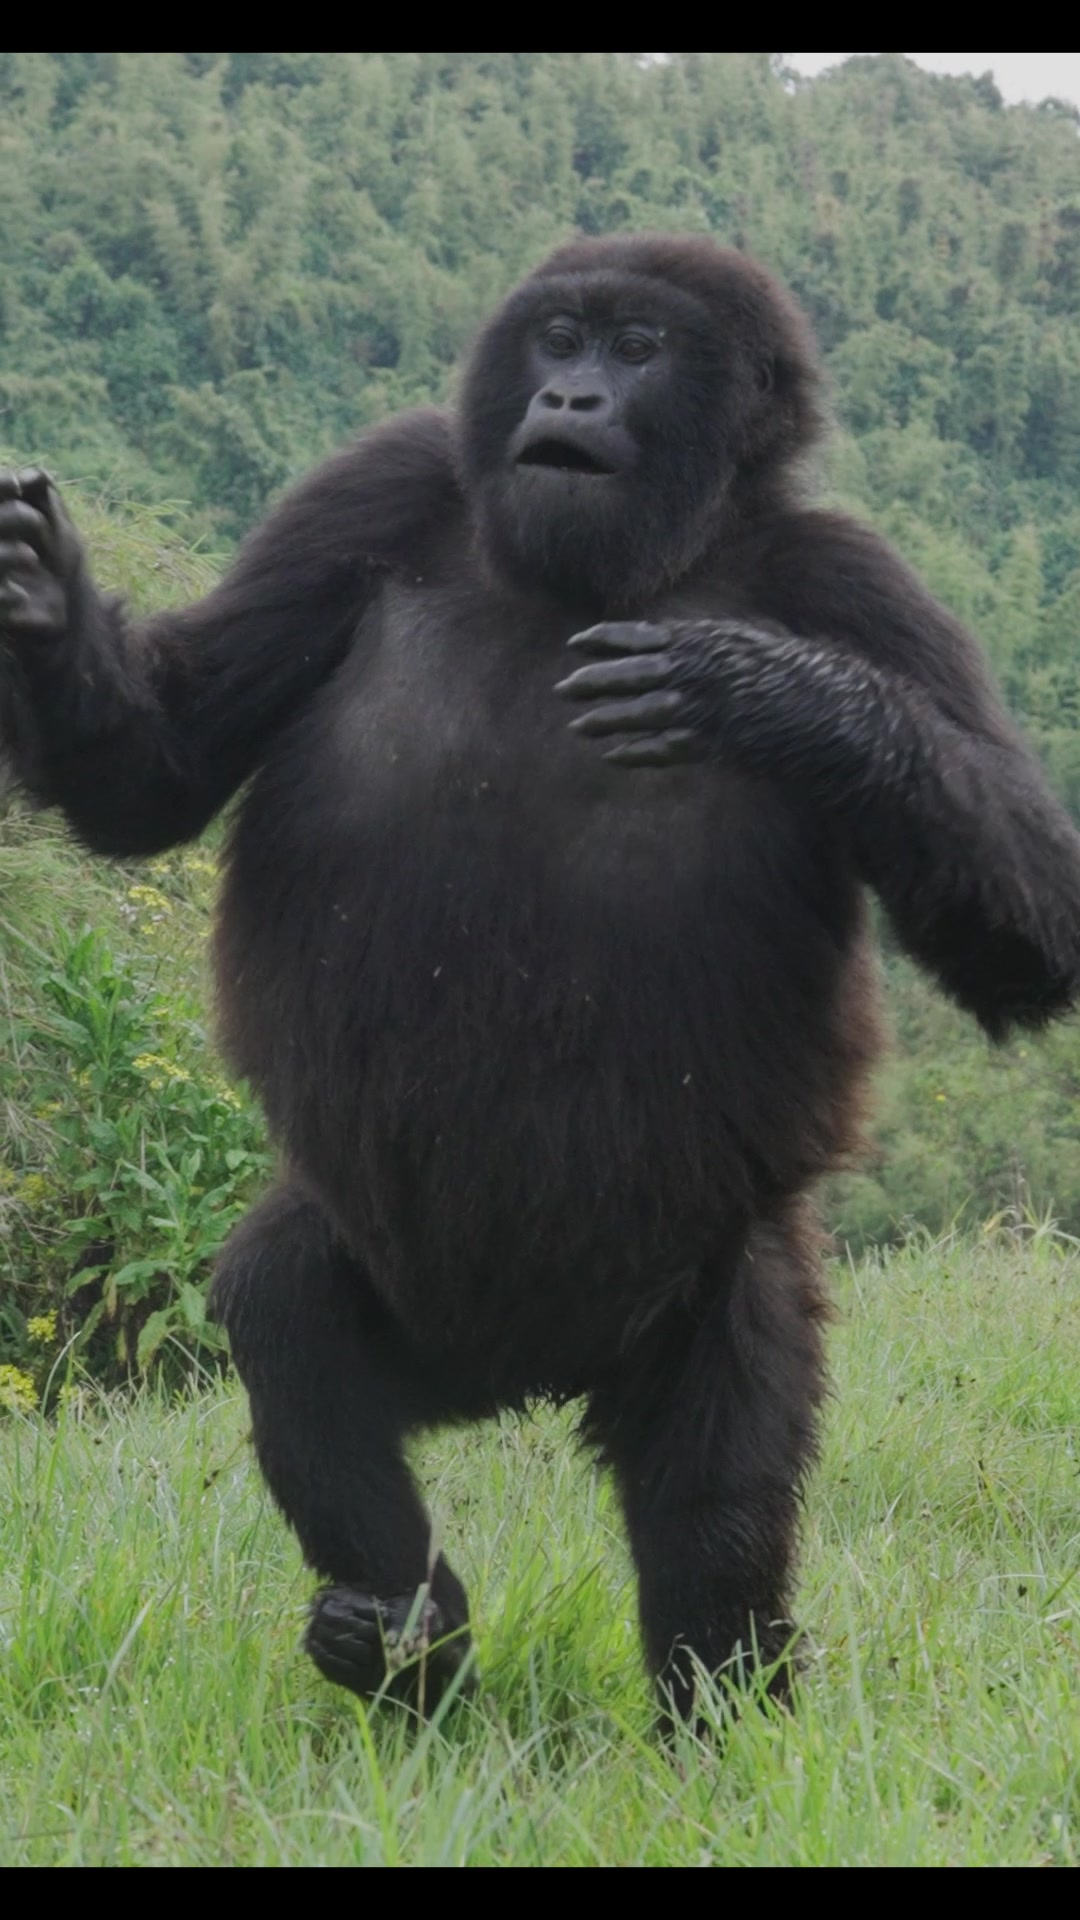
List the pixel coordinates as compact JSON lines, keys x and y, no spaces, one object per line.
{"x":218,"y":265}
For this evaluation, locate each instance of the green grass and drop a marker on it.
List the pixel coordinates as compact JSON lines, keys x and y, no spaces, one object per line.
{"x":154,"y":1708}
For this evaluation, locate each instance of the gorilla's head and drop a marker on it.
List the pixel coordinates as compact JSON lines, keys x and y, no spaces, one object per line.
{"x":625,"y":400}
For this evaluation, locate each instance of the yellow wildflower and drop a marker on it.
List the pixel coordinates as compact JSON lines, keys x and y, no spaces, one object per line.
{"x":159,"y":1068}
{"x":42,"y":1327}
{"x":150,"y":897}
{"x":17,"y":1391}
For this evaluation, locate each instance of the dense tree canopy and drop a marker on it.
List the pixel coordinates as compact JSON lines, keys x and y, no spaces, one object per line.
{"x":216,"y":265}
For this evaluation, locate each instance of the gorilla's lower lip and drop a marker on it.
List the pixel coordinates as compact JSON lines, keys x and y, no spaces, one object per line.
{"x":564,"y":457}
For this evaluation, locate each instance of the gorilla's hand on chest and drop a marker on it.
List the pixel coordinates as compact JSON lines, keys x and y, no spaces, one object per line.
{"x":693,"y":690}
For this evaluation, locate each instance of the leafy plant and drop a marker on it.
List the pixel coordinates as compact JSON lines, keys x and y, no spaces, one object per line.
{"x":142,"y":1159}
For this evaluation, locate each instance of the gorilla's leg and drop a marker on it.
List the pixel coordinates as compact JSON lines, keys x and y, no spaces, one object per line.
{"x":711,"y":1428}
{"x":334,"y":1391}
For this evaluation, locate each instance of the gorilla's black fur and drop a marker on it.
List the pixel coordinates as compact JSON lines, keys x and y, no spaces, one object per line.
{"x":554,"y":1048}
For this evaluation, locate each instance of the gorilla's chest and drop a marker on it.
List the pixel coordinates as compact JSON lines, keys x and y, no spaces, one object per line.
{"x":450,"y":908}
{"x":448,"y":720}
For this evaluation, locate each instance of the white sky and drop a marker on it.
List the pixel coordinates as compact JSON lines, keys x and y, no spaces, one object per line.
{"x":1019,"y":76}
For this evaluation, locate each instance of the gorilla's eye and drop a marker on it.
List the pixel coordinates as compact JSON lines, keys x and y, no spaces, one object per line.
{"x":561,"y":342}
{"x":635,"y":347}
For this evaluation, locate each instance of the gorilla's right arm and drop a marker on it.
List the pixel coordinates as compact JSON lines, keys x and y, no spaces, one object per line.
{"x":141,"y":732}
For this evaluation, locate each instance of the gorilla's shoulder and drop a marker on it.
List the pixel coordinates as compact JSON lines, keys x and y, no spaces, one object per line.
{"x":382,"y":494}
{"x":414,"y":448}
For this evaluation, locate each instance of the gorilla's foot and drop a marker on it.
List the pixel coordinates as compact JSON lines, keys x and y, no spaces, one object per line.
{"x":404,"y":1647}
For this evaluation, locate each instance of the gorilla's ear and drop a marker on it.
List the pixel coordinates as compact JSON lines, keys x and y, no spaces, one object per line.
{"x":765,"y":374}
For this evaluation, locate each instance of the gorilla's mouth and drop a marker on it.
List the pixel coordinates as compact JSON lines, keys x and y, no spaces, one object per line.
{"x":564,"y":456}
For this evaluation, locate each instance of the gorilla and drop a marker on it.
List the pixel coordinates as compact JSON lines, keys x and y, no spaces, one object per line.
{"x":569,"y":734}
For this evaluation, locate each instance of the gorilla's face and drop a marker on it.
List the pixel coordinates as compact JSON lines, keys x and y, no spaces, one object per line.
{"x":600,"y":420}
{"x":588,"y":382}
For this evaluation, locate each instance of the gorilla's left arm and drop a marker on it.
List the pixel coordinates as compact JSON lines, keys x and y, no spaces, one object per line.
{"x":887,"y":721}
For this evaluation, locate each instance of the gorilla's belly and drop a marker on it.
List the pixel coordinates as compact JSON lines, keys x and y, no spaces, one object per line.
{"x":516,"y":1062}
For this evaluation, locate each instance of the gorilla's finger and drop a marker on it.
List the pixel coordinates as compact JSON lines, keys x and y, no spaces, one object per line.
{"x":21,"y":521}
{"x":13,"y":597}
{"x":17,"y":556}
{"x":667,"y":749}
{"x":637,"y":673}
{"x":645,"y":714}
{"x":32,"y":602}
{"x":30,"y":483}
{"x":32,"y":510}
{"x":36,"y":486}
{"x":621,"y":636}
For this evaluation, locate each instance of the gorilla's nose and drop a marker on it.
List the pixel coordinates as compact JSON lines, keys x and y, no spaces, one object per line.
{"x":557,"y":397}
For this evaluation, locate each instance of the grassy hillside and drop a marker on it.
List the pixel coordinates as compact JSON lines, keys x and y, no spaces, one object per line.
{"x":154,"y":1708}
